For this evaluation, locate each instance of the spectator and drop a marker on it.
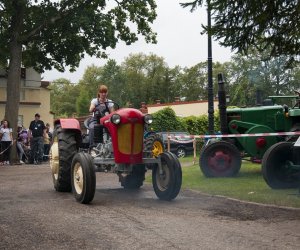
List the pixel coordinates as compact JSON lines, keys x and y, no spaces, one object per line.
{"x":36,"y":132}
{"x":22,"y":143}
{"x":47,"y":139}
{"x":6,"y":141}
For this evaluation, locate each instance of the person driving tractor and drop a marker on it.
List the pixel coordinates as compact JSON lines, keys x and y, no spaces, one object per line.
{"x":100,"y":107}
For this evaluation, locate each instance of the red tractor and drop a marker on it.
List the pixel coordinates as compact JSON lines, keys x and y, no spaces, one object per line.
{"x":120,"y":148}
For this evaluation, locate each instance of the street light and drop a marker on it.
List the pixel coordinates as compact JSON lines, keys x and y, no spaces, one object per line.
{"x":209,"y":74}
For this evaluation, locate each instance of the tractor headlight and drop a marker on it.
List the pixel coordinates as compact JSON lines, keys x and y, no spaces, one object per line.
{"x":148,"y":119}
{"x":115,"y":118}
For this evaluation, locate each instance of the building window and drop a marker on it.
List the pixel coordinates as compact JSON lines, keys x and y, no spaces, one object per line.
{"x":22,"y":95}
{"x":20,"y":119}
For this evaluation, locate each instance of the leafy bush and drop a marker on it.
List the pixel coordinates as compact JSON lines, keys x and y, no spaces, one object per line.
{"x":166,"y":120}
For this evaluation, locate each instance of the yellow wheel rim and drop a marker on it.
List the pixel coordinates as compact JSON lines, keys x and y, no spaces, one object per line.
{"x":157,"y":148}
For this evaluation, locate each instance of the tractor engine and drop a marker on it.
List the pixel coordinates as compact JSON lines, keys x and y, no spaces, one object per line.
{"x":103,"y":142}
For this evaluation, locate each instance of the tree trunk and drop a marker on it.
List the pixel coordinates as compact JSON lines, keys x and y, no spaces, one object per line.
{"x":13,"y":93}
{"x":14,"y":75}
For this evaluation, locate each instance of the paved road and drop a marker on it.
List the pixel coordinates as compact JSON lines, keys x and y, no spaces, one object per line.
{"x":34,"y":216}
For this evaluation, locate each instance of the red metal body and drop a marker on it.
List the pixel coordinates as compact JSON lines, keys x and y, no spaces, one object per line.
{"x":127,"y":136}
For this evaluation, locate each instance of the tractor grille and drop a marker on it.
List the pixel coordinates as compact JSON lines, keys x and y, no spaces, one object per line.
{"x":130,"y":138}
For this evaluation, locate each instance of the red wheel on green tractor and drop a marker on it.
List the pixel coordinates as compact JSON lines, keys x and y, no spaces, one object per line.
{"x":220,"y":159}
{"x":277,"y":167}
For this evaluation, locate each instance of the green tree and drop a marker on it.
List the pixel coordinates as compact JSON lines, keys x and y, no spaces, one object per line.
{"x":263,"y":24}
{"x":194,"y":81}
{"x":247,"y":74}
{"x":112,"y":75}
{"x":63,"y":97}
{"x":45,"y":34}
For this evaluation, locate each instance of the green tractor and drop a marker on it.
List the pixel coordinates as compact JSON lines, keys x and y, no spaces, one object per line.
{"x":222,"y":158}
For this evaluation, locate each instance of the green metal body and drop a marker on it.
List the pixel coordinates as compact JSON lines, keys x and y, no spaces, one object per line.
{"x":262,"y":119}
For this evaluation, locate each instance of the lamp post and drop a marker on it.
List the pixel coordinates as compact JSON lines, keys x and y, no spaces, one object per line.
{"x":209,"y":73}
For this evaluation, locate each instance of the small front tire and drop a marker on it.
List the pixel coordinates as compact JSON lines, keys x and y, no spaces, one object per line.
{"x":167,"y":183}
{"x":83,"y":178}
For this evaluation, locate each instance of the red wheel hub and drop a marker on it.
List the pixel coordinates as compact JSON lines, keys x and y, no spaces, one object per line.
{"x":220,"y":161}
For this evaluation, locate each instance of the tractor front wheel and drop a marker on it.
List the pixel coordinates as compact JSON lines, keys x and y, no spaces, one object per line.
{"x":220,"y":159}
{"x":277,"y":168}
{"x":83,"y":178}
{"x":167,"y":178}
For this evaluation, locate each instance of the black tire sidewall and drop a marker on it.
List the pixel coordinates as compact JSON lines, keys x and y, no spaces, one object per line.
{"x":89,"y":177}
{"x":214,"y":146}
{"x":274,"y":156}
{"x":175,"y":177}
{"x":67,"y":148}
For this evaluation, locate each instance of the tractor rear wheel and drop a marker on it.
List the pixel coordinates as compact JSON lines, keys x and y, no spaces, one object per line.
{"x":135,"y":179}
{"x":220,"y":159}
{"x":276,"y":166}
{"x":154,"y":144}
{"x":167,"y":181}
{"x":62,"y":151}
{"x":83,"y":178}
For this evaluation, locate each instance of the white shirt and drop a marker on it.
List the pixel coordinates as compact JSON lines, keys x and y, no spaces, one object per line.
{"x":5,"y":134}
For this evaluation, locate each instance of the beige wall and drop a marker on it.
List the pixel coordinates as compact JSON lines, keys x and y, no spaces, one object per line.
{"x":33,"y":98}
{"x":184,"y":109}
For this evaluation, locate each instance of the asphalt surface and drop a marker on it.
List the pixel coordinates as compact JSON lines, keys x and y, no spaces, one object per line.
{"x":34,"y":216}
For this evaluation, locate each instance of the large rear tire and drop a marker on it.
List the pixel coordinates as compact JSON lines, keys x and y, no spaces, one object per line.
{"x":135,"y":179}
{"x":220,"y":159}
{"x":154,"y":144}
{"x":83,"y":178}
{"x":276,"y":168}
{"x":167,"y":184}
{"x":62,"y":152}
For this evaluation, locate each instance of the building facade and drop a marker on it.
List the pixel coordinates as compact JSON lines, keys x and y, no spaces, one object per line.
{"x":181,"y":108}
{"x":34,"y":97}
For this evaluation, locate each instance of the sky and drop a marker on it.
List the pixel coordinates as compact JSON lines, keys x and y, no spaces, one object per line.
{"x":179,"y":42}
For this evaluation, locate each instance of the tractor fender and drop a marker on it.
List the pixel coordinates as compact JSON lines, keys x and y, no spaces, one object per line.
{"x":147,"y":133}
{"x":68,"y":123}
{"x":72,"y":124}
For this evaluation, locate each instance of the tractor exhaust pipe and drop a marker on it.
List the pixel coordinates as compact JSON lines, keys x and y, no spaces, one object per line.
{"x":222,"y":104}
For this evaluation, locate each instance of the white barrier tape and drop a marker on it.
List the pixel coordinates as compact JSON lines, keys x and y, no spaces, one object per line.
{"x":189,"y":141}
{"x":235,"y":135}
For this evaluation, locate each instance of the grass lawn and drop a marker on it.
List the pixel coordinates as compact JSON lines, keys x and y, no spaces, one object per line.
{"x":248,"y":185}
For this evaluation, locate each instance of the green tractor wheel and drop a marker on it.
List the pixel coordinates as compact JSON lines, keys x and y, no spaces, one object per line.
{"x":277,"y":167}
{"x":220,"y":159}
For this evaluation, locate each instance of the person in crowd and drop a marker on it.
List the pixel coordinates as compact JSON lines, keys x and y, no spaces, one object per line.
{"x":36,"y":134}
{"x":22,"y":143}
{"x":100,"y":106}
{"x":6,"y":142}
{"x":47,"y":140}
